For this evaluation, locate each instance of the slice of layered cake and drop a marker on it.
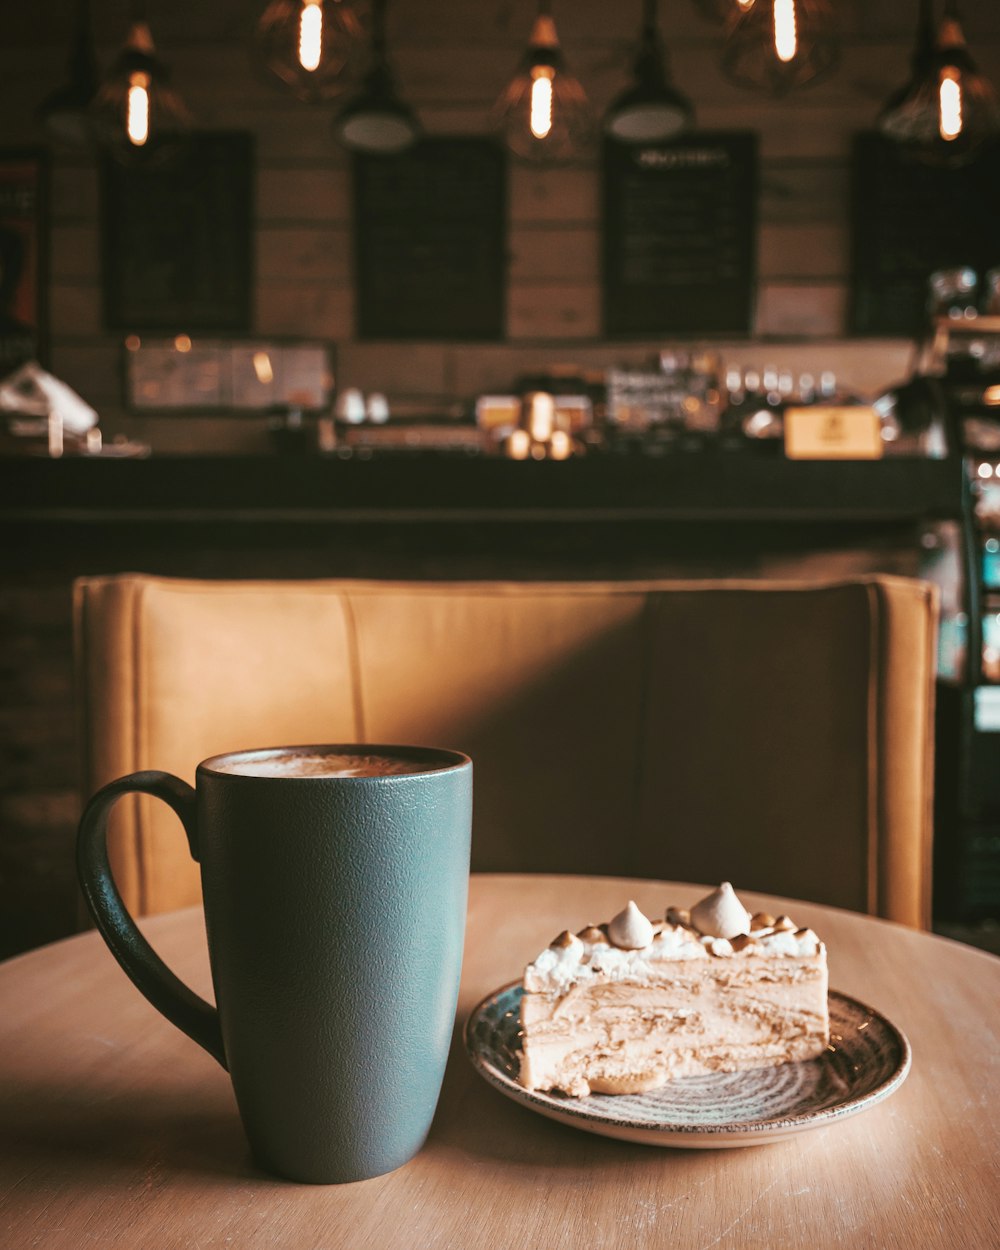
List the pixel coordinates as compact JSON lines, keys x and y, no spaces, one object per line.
{"x":622,"y":1007}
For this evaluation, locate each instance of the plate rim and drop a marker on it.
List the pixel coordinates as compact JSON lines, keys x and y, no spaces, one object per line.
{"x":574,"y":1112}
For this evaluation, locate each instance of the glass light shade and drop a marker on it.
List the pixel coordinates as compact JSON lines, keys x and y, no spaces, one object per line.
{"x":778,"y":45}
{"x":376,"y":120}
{"x":543,"y":114}
{"x":65,"y":113}
{"x":312,"y":46}
{"x":947,"y":111}
{"x":137,"y":115}
{"x":636,"y":117}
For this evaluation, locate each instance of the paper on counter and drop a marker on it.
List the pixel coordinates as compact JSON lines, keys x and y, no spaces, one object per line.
{"x":32,"y":392}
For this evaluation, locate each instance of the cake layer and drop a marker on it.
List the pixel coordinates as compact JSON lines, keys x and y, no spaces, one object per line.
{"x":628,"y":1005}
{"x":705,"y":1018}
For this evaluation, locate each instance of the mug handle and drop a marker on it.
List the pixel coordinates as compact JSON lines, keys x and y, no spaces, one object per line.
{"x":168,"y":994}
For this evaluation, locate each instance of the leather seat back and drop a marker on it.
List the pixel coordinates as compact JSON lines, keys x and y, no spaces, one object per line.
{"x":779,"y":736}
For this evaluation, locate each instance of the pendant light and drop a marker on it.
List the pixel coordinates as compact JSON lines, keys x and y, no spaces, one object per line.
{"x":65,"y":114}
{"x":778,"y":45}
{"x":137,"y":114}
{"x":947,"y":110}
{"x":543,"y":114}
{"x":376,"y":119}
{"x":311,"y":45}
{"x":650,"y":110}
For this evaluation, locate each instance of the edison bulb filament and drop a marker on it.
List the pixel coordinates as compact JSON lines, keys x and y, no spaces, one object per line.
{"x":137,"y":109}
{"x":949,"y":106}
{"x":311,"y":34}
{"x":541,"y":104}
{"x":786,"y":43}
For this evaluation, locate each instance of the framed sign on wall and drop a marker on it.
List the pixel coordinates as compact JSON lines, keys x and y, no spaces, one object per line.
{"x":177,"y":239}
{"x":238,"y":376}
{"x":910,"y":219}
{"x":23,"y":257}
{"x":430,"y":241}
{"x":679,"y":236}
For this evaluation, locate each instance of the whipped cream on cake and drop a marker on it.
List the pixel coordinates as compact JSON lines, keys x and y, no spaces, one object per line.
{"x":624,"y":1006}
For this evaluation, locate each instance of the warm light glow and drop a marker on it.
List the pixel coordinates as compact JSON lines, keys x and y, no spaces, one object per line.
{"x":137,"y":114}
{"x":311,"y":34}
{"x":541,"y":416}
{"x":950,"y":105}
{"x":182,"y":343}
{"x":133,"y":343}
{"x":786,"y":42}
{"x":991,"y":396}
{"x":263,"y":368}
{"x":541,"y":103}
{"x":518,"y":445}
{"x":560,"y":445}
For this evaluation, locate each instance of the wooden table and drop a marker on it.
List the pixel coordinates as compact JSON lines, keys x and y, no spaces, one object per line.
{"x":115,"y":1130}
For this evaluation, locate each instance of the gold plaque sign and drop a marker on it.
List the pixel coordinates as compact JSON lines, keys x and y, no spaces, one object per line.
{"x":828,"y":432}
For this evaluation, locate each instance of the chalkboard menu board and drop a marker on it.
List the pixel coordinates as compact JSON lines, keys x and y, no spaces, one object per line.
{"x":178,"y":238}
{"x":23,"y":256}
{"x":430,"y":252}
{"x":910,"y":219}
{"x":679,"y":235}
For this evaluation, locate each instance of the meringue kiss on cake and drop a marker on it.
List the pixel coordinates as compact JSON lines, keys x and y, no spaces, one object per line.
{"x":622,"y":1007}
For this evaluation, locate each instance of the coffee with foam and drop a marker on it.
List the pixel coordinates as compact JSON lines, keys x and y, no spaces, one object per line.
{"x":333,"y":763}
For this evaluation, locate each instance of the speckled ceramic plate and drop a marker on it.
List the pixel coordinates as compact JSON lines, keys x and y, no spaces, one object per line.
{"x":868,"y":1059}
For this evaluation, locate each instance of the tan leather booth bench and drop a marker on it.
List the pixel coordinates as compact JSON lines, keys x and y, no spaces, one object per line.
{"x":778,"y":736}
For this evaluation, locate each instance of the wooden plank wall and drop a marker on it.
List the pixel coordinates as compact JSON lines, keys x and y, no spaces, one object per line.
{"x":453,"y":58}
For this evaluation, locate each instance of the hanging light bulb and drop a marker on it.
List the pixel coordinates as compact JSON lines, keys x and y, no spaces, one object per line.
{"x":312,"y":46}
{"x":137,"y":109}
{"x":947,"y":110}
{"x":786,"y":40}
{"x":65,"y":114}
{"x":310,"y":35}
{"x":543,"y":113}
{"x":650,"y":110}
{"x":778,"y":45}
{"x":376,"y":119}
{"x":950,"y":120}
{"x":136,"y":113}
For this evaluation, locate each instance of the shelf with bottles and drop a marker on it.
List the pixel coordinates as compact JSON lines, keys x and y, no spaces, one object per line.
{"x":689,"y":401}
{"x":984,"y":482}
{"x":961,"y":348}
{"x":966,"y":339}
{"x":757,"y":400}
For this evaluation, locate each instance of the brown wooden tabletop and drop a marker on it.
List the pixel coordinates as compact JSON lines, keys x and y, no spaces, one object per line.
{"x":115,"y":1130}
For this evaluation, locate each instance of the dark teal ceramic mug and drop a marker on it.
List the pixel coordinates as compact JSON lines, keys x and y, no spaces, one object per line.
{"x":335,"y":881}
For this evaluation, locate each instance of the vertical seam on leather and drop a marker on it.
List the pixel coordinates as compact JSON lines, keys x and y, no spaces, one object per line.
{"x":354,"y":663}
{"x":874,"y":752}
{"x":138,"y":677}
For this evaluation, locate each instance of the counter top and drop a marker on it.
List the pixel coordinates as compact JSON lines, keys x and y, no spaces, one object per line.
{"x":702,"y":486}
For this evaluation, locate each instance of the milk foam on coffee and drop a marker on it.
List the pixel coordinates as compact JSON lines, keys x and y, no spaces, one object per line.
{"x":325,"y":764}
